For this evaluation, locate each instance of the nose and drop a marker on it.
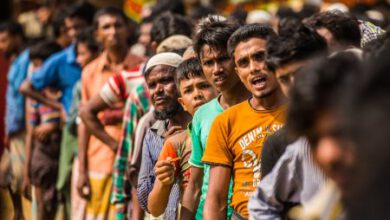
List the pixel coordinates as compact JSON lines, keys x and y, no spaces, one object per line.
{"x":255,"y":66}
{"x":159,"y":88}
{"x":198,"y":95}
{"x":217,"y":68}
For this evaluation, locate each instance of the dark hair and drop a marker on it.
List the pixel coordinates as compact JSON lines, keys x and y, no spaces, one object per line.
{"x":247,"y":32}
{"x":44,"y":49}
{"x":110,"y":10}
{"x":82,"y":10}
{"x":87,"y":37}
{"x":344,"y":27}
{"x":173,"y":6}
{"x":214,"y":31}
{"x":188,"y":69}
{"x":13,"y":29}
{"x":169,"y":24}
{"x":286,"y":12}
{"x":58,"y":22}
{"x":201,"y":12}
{"x":368,"y":123}
{"x":295,"y":42}
{"x":318,"y":88}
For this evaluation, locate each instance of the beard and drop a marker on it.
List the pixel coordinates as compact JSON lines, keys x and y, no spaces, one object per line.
{"x":169,"y":112}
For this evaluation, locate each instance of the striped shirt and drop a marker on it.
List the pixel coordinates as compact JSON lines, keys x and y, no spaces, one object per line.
{"x":294,"y":179}
{"x":118,"y":87}
{"x":153,"y":144}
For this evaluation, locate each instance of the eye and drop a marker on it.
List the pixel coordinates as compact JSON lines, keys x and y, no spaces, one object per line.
{"x":208,"y":63}
{"x":204,"y":86}
{"x":284,"y":79}
{"x":259,"y":56}
{"x":242,"y":62}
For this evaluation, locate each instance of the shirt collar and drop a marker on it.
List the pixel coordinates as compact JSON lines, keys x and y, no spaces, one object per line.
{"x":71,"y":53}
{"x":160,"y":127}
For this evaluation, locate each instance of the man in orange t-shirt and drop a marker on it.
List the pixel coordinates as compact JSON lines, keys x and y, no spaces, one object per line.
{"x":236,"y":137}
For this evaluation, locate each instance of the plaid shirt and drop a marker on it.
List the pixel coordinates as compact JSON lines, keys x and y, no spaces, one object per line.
{"x":369,"y":32}
{"x":136,"y":106}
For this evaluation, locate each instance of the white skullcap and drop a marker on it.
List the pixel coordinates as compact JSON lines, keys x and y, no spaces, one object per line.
{"x":258,"y":16}
{"x":167,"y":58}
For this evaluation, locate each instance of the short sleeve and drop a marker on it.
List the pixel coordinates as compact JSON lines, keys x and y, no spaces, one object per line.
{"x":46,"y":75}
{"x":217,"y":148}
{"x":197,"y":150}
{"x":112,"y":90}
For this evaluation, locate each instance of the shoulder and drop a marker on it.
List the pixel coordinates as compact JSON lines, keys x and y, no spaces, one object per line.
{"x":89,"y":70}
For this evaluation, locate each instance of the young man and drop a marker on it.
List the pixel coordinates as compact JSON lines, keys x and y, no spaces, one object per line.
{"x":195,"y":91}
{"x":95,"y":157}
{"x":236,"y":136}
{"x":211,"y":48}
{"x":285,"y":66}
{"x":160,"y":78}
{"x":287,"y":54}
{"x":314,"y":113}
{"x":340,"y":30}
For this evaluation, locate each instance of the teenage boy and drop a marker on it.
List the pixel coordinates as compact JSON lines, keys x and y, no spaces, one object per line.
{"x":211,"y":48}
{"x":160,"y":79}
{"x":195,"y":91}
{"x":236,"y":136}
{"x":287,"y":54}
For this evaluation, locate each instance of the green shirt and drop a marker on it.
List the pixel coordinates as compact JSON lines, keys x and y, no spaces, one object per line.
{"x":201,"y":124}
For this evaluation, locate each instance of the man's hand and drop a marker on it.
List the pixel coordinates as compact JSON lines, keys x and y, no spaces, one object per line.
{"x":165,"y":172}
{"x":43,"y":131}
{"x":83,"y":186}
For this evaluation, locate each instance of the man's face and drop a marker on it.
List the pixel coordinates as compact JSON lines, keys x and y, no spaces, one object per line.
{"x":162,"y":88}
{"x":218,"y":68}
{"x":249,"y":57}
{"x":194,"y":93}
{"x":285,"y":75}
{"x":333,"y":152}
{"x":74,"y":26}
{"x":8,"y":43}
{"x":112,"y":31}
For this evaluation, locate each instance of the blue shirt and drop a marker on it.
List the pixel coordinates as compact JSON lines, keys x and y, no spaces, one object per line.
{"x":153,"y":143}
{"x":60,"y":71}
{"x":15,"y":112}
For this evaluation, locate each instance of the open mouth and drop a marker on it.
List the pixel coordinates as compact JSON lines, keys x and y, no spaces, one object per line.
{"x":259,"y":82}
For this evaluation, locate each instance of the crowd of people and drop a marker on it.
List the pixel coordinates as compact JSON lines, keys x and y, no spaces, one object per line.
{"x":196,"y":114}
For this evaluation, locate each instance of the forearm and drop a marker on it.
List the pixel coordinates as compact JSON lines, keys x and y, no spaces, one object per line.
{"x":28,"y":90}
{"x":192,"y":194}
{"x":29,"y":150}
{"x":95,"y":127}
{"x":215,"y":208}
{"x":83,"y":140}
{"x":158,"y":198}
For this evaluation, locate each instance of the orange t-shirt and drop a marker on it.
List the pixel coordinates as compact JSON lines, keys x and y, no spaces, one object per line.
{"x":179,"y":146}
{"x":236,"y":139}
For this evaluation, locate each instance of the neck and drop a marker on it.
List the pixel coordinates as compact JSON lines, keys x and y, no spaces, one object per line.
{"x":180,"y":119}
{"x":117,"y":55}
{"x":270,"y":102}
{"x":234,"y":96}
